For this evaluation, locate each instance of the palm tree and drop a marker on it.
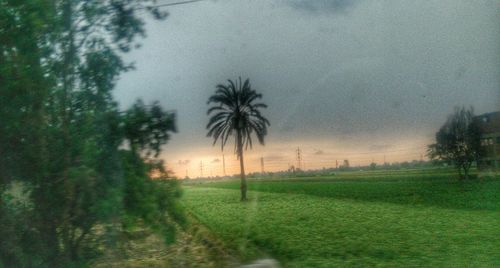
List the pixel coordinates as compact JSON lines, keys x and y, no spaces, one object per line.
{"x":235,"y":114}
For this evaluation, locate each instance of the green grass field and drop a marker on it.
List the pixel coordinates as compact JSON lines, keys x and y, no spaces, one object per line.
{"x":358,"y":219}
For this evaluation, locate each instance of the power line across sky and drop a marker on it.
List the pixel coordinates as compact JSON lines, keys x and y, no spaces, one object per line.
{"x":171,"y":4}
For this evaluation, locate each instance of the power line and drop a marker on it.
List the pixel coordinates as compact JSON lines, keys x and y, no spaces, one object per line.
{"x":170,"y":4}
{"x":383,"y":151}
{"x":324,"y":159}
{"x":314,"y":162}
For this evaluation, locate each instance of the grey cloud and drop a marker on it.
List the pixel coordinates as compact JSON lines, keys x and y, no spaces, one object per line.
{"x":216,"y":160}
{"x":322,"y":6}
{"x":319,"y":152}
{"x":389,"y":71}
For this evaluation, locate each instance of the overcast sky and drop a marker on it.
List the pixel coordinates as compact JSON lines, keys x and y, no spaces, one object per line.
{"x":344,"y":79}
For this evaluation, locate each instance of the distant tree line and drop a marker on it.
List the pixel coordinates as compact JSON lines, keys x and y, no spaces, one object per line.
{"x":85,"y":165}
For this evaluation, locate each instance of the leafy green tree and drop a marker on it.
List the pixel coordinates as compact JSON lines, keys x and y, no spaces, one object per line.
{"x":151,"y":200}
{"x":62,"y":132}
{"x":24,"y":41}
{"x":458,"y":141}
{"x":236,"y":114}
{"x":147,"y":128}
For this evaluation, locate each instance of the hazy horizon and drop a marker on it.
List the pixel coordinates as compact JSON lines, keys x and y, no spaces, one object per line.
{"x":344,"y":79}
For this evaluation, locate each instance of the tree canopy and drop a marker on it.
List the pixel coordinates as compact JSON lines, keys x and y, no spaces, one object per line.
{"x":85,"y":164}
{"x":458,"y":141}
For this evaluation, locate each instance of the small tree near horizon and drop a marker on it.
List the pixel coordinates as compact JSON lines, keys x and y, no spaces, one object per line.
{"x":236,"y":114}
{"x":458,"y":141}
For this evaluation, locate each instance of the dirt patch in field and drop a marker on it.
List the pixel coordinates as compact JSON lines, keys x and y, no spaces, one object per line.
{"x":193,"y":248}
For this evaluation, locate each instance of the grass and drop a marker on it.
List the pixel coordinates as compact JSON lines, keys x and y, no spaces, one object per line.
{"x":415,"y":220}
{"x":442,"y":191}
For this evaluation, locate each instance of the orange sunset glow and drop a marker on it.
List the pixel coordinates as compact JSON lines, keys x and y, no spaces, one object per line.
{"x":207,"y":161}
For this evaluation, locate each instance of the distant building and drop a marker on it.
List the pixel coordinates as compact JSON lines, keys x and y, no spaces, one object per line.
{"x":489,"y":124}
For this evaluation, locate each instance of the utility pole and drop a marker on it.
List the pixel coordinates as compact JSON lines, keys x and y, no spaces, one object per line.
{"x":223,"y":165}
{"x":262,"y":165}
{"x":299,"y":158}
{"x":201,"y":169}
{"x":336,"y":164}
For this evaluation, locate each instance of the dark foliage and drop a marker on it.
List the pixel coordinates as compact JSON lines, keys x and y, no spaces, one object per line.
{"x":62,"y":133}
{"x":458,"y":141}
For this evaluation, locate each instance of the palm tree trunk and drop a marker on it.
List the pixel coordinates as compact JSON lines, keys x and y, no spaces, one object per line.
{"x":243,"y":185}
